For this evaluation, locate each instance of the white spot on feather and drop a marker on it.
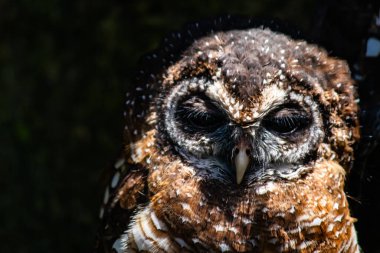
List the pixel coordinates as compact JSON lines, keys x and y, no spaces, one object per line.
{"x":303,"y":217}
{"x":115,"y":179}
{"x":219,"y":228}
{"x":305,"y":244}
{"x":224,"y":247}
{"x":117,"y":246}
{"x":185,"y":206}
{"x":181,"y":242}
{"x":233,"y":230}
{"x":338,"y":218}
{"x":323,"y":202}
{"x":157,"y":222}
{"x":316,"y":222}
{"x":269,"y":187}
{"x":106,"y":196}
{"x":330,"y":227}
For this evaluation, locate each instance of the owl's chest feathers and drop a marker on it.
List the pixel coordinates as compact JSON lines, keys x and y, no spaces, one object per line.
{"x":187,"y":215}
{"x":149,"y":233}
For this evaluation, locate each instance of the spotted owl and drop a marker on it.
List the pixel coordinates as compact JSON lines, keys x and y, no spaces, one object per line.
{"x":238,"y":142}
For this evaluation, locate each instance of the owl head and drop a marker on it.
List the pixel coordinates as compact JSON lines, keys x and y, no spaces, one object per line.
{"x":247,"y":105}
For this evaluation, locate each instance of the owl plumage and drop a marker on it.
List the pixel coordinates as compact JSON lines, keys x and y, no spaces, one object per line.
{"x":241,"y":144}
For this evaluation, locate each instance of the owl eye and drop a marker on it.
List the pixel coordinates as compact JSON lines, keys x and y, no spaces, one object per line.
{"x":287,"y":121}
{"x":199,"y":114}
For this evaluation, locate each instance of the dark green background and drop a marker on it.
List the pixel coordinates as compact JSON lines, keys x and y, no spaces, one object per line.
{"x":64,"y":69}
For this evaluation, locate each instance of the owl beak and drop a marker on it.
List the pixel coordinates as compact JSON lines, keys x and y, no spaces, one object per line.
{"x":241,"y":159}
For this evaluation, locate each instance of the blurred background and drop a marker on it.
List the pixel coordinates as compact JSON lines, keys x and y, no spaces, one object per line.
{"x":64,"y":69}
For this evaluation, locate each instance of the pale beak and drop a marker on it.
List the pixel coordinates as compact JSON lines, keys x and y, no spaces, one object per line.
{"x":242,"y":159}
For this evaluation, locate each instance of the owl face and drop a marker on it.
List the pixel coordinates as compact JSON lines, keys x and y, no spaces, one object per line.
{"x":269,"y":137}
{"x":240,"y":109}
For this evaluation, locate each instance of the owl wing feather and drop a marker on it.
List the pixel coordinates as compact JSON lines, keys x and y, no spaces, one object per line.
{"x":127,"y":190}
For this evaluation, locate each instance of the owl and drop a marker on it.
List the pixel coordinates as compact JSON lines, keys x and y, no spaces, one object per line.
{"x":239,"y":141}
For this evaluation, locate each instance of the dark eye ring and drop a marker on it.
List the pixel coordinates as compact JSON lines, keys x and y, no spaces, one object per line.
{"x":287,"y":121}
